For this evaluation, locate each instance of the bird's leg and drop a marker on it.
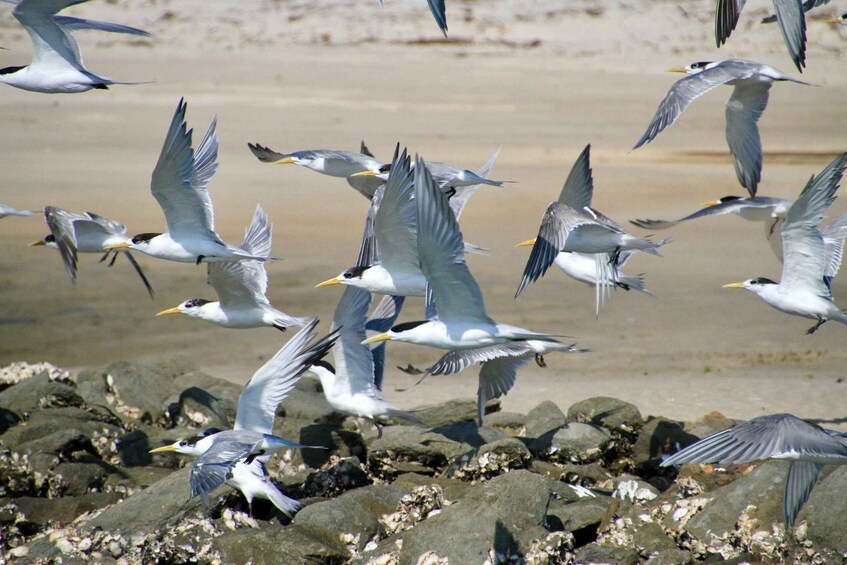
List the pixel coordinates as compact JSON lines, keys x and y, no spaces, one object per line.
{"x":451,"y":192}
{"x":614,"y":256}
{"x":200,"y":259}
{"x":539,"y":360}
{"x":280,"y":328}
{"x":105,"y":255}
{"x":378,"y":429}
{"x":114,"y":258}
{"x":814,"y":328}
{"x":253,"y":456}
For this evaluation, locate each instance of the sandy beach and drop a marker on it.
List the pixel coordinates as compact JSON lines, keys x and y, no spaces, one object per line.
{"x":540,"y":80}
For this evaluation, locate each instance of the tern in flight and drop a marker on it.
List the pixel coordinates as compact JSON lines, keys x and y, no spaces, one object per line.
{"x":328,"y":162}
{"x":572,"y":225}
{"x":803,"y":289}
{"x":56,"y":61}
{"x":72,"y":233}
{"x":9,"y":211}
{"x":238,"y":456}
{"x":751,"y":82}
{"x":179,"y":186}
{"x":241,"y":287}
{"x":776,"y":436}
{"x":462,"y":321}
{"x":354,"y":385}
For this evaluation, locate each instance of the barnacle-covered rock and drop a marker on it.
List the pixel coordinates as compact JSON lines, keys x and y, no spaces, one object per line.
{"x":543,"y":418}
{"x":337,"y":475}
{"x":490,"y":460}
{"x":416,"y":506}
{"x":574,"y":443}
{"x":405,"y":449}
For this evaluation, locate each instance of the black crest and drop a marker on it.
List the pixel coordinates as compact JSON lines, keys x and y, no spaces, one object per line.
{"x":406,"y":326}
{"x":355,"y":272}
{"x":196,"y":302}
{"x":762,"y":280}
{"x":325,"y":364}
{"x":729,"y":198}
{"x":10,"y":70}
{"x":144,"y":237}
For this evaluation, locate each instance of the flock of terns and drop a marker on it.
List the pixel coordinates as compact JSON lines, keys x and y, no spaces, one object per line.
{"x":412,"y":246}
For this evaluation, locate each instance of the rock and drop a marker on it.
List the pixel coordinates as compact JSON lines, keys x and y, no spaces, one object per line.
{"x":513,"y":423}
{"x":709,"y":424}
{"x":649,"y":537}
{"x":617,"y":416}
{"x":63,"y":510}
{"x":670,"y":557}
{"x":404,"y":449}
{"x":469,"y":433}
{"x":138,"y":390}
{"x":594,"y":553}
{"x":61,"y":443}
{"x":543,"y":418}
{"x":574,"y":516}
{"x":336,"y":476}
{"x":8,"y":419}
{"x":590,"y":474}
{"x":195,"y":406}
{"x":490,"y":460}
{"x":453,"y":411}
{"x":504,"y":513}
{"x":452,"y":489}
{"x":158,"y":507}
{"x":77,"y":479}
{"x":658,"y":437}
{"x":356,"y":513}
{"x":37,"y":393}
{"x":269,"y":546}
{"x":306,"y":402}
{"x":92,"y":422}
{"x":574,"y":443}
{"x":826,"y":509}
{"x":761,"y":489}
{"x":343,"y":443}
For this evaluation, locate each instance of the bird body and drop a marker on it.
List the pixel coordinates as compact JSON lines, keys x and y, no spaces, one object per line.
{"x":56,"y":66}
{"x":179,"y":184}
{"x":582,"y":267}
{"x":241,"y":287}
{"x":803,"y":289}
{"x":751,"y":82}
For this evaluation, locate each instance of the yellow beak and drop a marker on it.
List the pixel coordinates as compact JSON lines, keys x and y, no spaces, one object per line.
{"x":174,"y":310}
{"x":122,"y":245}
{"x":834,"y":21}
{"x":330,"y":282}
{"x":378,"y":337}
{"x":365,"y":174}
{"x":734,"y":285}
{"x":162,"y":449}
{"x":526,"y":243}
{"x":285,"y":161}
{"x":36,"y":243}
{"x":710,"y":203}
{"x":677,"y":70}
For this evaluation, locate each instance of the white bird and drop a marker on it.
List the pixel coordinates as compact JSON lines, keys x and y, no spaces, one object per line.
{"x":354,"y":385}
{"x":72,"y":233}
{"x":583,"y":267}
{"x":751,"y":82}
{"x":56,"y":61}
{"x":238,"y":456}
{"x":179,"y":186}
{"x":571,"y":225}
{"x":499,"y":365}
{"x":803,"y":290}
{"x":398,"y":269}
{"x":328,"y":162}
{"x":9,"y":211}
{"x":789,"y":14}
{"x":766,"y":209}
{"x":462,"y":320}
{"x":241,"y":287}
{"x":775,"y":436}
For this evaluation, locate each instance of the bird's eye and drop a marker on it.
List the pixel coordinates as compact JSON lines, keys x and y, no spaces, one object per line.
{"x":348,"y":275}
{"x":385,"y":168}
{"x":183,"y":443}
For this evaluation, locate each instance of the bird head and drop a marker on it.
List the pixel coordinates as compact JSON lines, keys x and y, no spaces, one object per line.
{"x":352,"y":277}
{"x":691,"y":69}
{"x":47,"y":240}
{"x":194,"y":445}
{"x":190,"y":307}
{"x":755,"y":285}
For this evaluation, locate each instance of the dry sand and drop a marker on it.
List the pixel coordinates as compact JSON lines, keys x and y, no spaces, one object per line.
{"x":541,"y":79}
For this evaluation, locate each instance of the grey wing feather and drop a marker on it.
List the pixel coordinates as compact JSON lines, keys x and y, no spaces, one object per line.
{"x":381,"y":320}
{"x":213,"y":468}
{"x":804,"y":260}
{"x":726,"y":18}
{"x":188,"y":209}
{"x":801,"y":479}
{"x":354,"y":365}
{"x":369,"y":250}
{"x":274,"y":380}
{"x":395,"y":224}
{"x":578,"y":189}
{"x":463,"y":193}
{"x":743,"y":111}
{"x":265,"y":154}
{"x":245,"y":281}
{"x":761,"y":438}
{"x":441,"y":252}
{"x":456,"y":361}
{"x":61,"y":224}
{"x":439,"y":12}
{"x":685,"y":91}
{"x":833,"y":239}
{"x":792,"y":23}
{"x":74,"y":24}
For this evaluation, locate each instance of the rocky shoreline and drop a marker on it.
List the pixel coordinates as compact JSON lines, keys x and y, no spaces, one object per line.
{"x":77,"y":483}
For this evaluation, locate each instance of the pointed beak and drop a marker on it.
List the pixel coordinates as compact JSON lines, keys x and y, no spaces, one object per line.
{"x":329,"y":282}
{"x":710,"y":203}
{"x":677,"y":70}
{"x":527,"y":243}
{"x":365,"y":174}
{"x":162,"y":449}
{"x":285,"y":161}
{"x":122,"y":245}
{"x":36,"y":243}
{"x":376,"y":338}
{"x":734,"y":285}
{"x":834,"y":21}
{"x":174,"y":310}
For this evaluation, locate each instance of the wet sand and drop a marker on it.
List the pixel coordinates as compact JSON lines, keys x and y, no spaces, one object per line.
{"x":540,"y":82}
